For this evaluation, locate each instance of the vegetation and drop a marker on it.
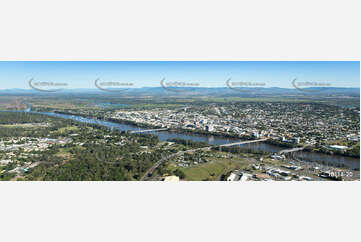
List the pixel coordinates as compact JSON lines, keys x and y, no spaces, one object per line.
{"x":90,"y":156}
{"x":213,"y":170}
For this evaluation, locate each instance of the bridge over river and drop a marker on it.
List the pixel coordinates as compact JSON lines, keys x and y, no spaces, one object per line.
{"x":148,"y":130}
{"x":243,"y":142}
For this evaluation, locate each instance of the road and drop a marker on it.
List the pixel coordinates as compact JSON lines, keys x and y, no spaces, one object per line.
{"x":158,"y":163}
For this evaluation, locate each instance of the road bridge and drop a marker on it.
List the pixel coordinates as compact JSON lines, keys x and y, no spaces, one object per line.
{"x":148,"y":130}
{"x":243,"y":142}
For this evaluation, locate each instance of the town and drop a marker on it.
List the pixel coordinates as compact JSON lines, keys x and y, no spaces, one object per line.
{"x":308,"y":124}
{"x":188,"y":139}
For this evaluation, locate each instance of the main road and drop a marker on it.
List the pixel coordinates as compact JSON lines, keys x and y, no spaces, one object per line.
{"x":158,"y":163}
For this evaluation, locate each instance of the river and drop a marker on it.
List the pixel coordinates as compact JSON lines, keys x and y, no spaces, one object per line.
{"x":349,"y":162}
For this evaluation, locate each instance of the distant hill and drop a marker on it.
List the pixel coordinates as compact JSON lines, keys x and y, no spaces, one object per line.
{"x":204,"y":91}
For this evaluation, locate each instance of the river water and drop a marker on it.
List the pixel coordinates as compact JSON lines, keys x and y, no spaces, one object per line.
{"x":349,"y":162}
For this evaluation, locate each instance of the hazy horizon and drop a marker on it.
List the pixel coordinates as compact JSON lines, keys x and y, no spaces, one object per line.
{"x":212,"y":74}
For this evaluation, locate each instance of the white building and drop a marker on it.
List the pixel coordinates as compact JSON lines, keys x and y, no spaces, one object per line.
{"x":232,"y":177}
{"x":209,"y":128}
{"x":338,"y":147}
{"x":245,"y":177}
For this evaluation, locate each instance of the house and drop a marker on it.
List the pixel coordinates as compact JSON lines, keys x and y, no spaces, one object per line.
{"x":296,"y":140}
{"x":255,"y":134}
{"x":5,"y":162}
{"x":277,"y":157}
{"x":209,"y":128}
{"x":286,"y":178}
{"x":306,"y":178}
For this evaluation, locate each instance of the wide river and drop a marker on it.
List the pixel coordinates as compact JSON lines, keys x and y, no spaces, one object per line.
{"x":216,"y":140}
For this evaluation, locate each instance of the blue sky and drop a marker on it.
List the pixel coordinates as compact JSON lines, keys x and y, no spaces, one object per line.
{"x":209,"y":74}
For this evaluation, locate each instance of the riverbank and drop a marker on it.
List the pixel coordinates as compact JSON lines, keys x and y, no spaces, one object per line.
{"x":210,"y":138}
{"x":271,"y":141}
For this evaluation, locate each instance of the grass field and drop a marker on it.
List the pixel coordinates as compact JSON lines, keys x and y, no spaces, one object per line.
{"x":212,"y":170}
{"x":67,"y":129}
{"x":27,"y":125}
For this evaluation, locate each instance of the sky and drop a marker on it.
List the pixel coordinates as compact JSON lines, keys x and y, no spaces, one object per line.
{"x":82,"y":74}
